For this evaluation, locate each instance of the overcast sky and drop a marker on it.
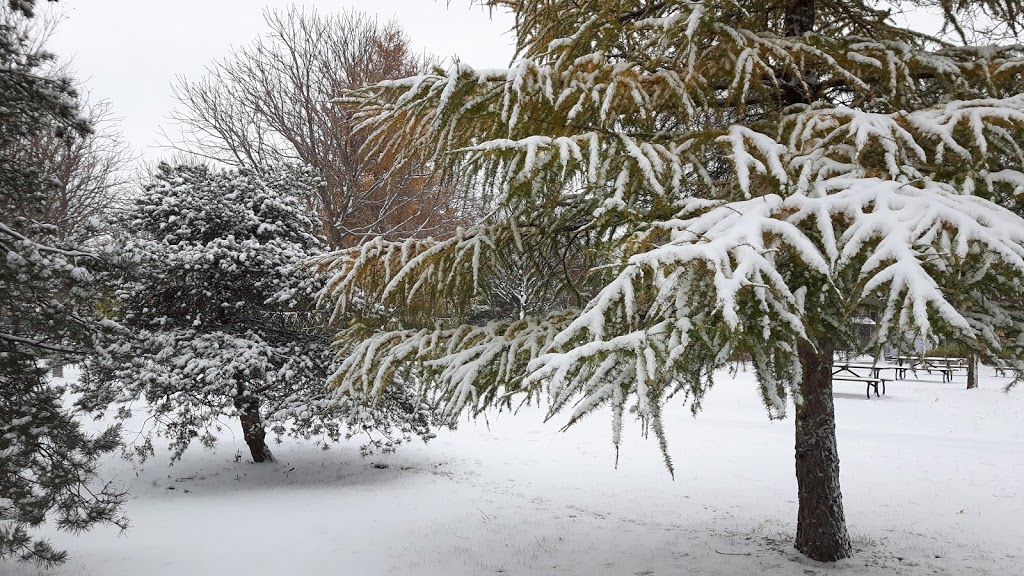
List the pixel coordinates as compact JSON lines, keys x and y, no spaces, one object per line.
{"x":129,"y":51}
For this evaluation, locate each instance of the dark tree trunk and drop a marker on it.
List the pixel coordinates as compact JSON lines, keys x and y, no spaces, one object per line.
{"x":253,"y":433}
{"x":821,"y":524}
{"x":972,"y":371}
{"x":797,"y":21}
{"x":799,"y":18}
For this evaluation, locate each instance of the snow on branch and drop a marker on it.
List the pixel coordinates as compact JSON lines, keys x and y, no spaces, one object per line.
{"x":468,"y":367}
{"x":395,"y":273}
{"x":758,"y":257}
{"x":751,"y":227}
{"x":980,"y":136}
{"x":903,"y":236}
{"x":761,"y":271}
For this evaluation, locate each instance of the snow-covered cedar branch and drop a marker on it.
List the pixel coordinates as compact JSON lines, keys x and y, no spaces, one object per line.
{"x":658,"y":99}
{"x":393,"y":273}
{"x":471,"y":367}
{"x":438,"y":281}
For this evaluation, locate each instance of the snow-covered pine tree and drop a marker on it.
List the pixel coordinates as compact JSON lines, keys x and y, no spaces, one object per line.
{"x":48,"y":463}
{"x":212,"y":316}
{"x":741,"y":179}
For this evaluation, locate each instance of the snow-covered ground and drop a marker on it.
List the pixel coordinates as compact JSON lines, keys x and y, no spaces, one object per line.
{"x":931,"y":477}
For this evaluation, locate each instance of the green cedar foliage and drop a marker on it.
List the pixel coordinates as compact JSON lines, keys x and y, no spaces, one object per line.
{"x":733,"y":179}
{"x":48,"y":463}
{"x":730,"y":189}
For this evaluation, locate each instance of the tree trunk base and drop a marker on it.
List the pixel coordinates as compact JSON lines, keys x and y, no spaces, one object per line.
{"x":253,"y":433}
{"x":821,"y":532}
{"x":972,"y":371}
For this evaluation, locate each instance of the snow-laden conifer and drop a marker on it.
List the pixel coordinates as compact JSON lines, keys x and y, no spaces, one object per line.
{"x":48,"y":461}
{"x":739,"y":179}
{"x":211,"y":315}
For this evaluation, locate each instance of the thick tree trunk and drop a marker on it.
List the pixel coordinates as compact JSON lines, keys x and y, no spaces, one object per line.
{"x":799,"y":17}
{"x":821,"y":524}
{"x":972,"y":371}
{"x":253,"y":433}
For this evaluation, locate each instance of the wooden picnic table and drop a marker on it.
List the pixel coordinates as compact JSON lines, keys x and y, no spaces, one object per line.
{"x":943,"y":364}
{"x":898,"y":372}
{"x":872,"y":379}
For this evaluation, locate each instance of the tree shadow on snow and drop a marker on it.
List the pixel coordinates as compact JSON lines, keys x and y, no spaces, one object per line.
{"x":221,"y":470}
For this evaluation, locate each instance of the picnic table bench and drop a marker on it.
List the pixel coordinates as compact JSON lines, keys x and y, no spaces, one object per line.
{"x":872,"y":383}
{"x":872,"y":379}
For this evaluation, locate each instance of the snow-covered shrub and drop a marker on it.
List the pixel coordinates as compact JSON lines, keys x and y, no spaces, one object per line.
{"x":212,"y":316}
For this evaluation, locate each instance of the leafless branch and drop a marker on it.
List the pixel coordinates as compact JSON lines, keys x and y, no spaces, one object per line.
{"x":270,"y":103}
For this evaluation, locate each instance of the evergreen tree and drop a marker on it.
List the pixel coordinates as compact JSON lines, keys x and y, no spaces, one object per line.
{"x":48,"y":463}
{"x":738,"y":179}
{"x":213,"y":316}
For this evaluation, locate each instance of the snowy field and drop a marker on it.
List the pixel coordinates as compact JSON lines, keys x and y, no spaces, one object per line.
{"x":931,"y":477}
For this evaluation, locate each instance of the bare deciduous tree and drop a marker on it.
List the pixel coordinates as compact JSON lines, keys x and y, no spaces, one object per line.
{"x":90,"y":170}
{"x":271,"y":103}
